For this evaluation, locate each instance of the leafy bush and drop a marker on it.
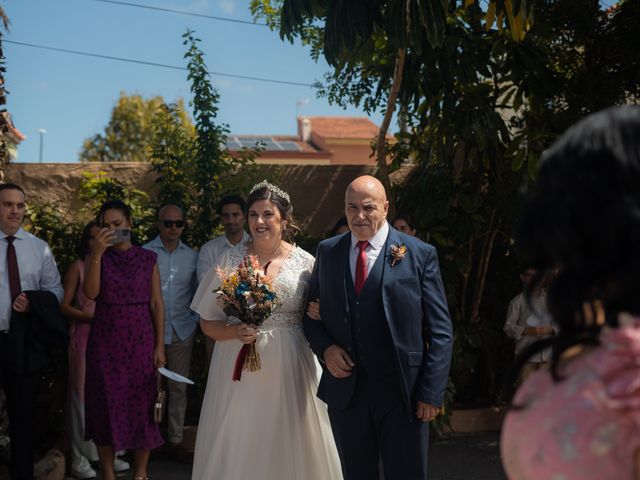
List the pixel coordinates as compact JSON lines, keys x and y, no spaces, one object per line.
{"x":47,"y":222}
{"x":96,"y":189}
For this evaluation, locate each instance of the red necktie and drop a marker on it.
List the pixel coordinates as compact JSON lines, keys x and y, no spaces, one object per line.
{"x":361,"y":266}
{"x":12,"y":268}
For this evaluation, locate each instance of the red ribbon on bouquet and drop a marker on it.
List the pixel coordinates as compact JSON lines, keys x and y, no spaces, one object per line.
{"x":247,"y":359}
{"x":240,"y":359}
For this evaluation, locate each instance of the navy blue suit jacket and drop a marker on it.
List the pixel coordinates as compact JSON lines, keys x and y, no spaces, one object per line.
{"x":415,"y":309}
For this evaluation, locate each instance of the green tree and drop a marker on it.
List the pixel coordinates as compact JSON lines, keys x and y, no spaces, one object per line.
{"x":483,"y":100}
{"x":127,"y":136}
{"x":370,"y":45}
{"x":213,"y":165}
{"x":172,"y":151}
{"x":593,"y":59}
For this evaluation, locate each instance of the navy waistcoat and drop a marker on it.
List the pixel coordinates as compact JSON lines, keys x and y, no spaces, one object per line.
{"x":372,"y":341}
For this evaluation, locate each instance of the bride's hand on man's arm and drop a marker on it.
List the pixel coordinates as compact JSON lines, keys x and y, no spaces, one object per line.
{"x":313,"y":310}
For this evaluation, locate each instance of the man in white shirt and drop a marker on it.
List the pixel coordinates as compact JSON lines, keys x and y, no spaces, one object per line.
{"x":26,"y":264}
{"x":528,"y":321}
{"x":232,"y":217}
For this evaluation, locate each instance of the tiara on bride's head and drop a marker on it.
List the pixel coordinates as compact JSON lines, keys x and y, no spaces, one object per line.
{"x":272,"y":188}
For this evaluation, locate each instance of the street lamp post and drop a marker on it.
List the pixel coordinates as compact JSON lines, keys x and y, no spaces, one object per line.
{"x":41,"y":131}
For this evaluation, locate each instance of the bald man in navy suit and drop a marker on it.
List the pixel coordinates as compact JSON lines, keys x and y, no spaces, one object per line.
{"x":383,"y":335}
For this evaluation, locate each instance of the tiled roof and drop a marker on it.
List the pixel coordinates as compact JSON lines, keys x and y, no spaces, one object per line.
{"x":320,"y":140}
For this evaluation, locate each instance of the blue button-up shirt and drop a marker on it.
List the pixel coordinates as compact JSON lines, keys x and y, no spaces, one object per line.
{"x":38,"y":270}
{"x":178,"y":280}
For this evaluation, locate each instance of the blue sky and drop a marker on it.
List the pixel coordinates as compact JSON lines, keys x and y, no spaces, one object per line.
{"x":71,"y":96}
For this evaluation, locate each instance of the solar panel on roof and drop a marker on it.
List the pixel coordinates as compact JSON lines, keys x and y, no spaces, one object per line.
{"x":253,"y":140}
{"x":290,"y":146}
{"x":250,"y":142}
{"x":233,"y":144}
{"x":271,"y":146}
{"x":267,"y":143}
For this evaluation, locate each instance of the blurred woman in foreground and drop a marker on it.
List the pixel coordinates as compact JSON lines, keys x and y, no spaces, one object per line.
{"x":581,"y":420}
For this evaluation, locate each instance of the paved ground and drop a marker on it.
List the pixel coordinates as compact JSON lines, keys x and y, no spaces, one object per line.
{"x":474,"y":457}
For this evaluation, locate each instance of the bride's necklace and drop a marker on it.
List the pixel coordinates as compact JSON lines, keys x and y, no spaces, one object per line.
{"x":266,"y":259}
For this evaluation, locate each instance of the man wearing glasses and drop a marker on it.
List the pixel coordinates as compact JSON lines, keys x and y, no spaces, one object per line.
{"x":177,"y":264}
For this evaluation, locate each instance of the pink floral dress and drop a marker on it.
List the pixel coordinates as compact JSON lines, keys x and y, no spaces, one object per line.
{"x":585,"y":427}
{"x":79,"y":335}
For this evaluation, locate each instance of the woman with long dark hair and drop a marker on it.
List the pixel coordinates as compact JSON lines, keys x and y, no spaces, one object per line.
{"x":126,"y":343}
{"x":581,"y":419}
{"x":79,"y":310}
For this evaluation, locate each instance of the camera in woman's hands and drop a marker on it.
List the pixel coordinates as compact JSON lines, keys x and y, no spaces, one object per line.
{"x":121,"y":235}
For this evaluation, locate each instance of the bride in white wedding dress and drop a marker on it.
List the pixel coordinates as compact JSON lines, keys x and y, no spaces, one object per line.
{"x":269,"y":425}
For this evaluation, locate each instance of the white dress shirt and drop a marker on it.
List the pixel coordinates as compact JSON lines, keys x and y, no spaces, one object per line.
{"x":38,"y":270}
{"x":523,"y":313}
{"x":211,"y":253}
{"x":178,"y":283}
{"x":376,"y":244}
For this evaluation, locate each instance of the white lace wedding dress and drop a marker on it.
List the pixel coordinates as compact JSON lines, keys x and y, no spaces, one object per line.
{"x":270,"y":425}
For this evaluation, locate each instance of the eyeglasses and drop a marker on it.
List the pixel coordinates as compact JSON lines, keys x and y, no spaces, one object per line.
{"x":171,"y":223}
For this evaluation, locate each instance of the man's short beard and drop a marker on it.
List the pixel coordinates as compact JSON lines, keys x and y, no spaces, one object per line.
{"x":232,"y":229}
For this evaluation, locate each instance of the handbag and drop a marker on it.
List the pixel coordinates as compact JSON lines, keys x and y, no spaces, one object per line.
{"x":158,"y":406}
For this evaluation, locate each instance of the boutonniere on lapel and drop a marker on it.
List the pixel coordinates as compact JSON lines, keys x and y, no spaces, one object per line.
{"x":397,"y":253}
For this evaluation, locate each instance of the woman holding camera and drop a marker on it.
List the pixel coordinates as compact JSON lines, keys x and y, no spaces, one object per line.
{"x":125,"y":344}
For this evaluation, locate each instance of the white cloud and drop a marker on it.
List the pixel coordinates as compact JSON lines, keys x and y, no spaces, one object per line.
{"x":199,"y":6}
{"x":246,"y":89}
{"x":232,"y":85}
{"x":227,"y":6}
{"x":222,"y":82}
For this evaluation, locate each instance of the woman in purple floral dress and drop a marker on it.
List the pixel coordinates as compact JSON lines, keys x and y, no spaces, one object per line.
{"x":125,"y":344}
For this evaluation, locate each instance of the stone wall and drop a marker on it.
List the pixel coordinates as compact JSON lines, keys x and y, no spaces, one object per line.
{"x":317,"y":191}
{"x":58,"y":183}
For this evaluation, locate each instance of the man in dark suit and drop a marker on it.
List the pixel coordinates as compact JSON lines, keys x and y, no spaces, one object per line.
{"x":384,"y":339}
{"x":30,"y":321}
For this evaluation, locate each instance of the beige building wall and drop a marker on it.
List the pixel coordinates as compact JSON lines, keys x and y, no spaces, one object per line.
{"x":347,"y":153}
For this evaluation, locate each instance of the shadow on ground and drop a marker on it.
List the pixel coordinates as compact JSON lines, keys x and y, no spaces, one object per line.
{"x":469,"y":457}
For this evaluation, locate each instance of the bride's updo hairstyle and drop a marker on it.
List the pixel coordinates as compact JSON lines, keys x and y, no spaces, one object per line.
{"x":581,"y":219}
{"x":267,"y":191}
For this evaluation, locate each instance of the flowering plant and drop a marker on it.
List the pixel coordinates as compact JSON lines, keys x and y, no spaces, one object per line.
{"x":247,"y":293}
